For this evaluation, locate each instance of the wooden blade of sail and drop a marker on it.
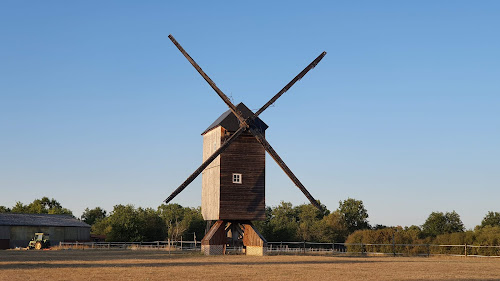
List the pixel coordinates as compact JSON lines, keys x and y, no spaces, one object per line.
{"x":290,"y":84}
{"x":205,"y":164}
{"x":258,"y":135}
{"x":210,"y":82}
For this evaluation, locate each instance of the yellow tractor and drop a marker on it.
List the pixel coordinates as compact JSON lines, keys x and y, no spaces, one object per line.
{"x":40,"y":241}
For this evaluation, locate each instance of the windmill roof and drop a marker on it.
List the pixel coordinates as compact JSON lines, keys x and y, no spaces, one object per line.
{"x":229,"y":121}
{"x":14,"y":219}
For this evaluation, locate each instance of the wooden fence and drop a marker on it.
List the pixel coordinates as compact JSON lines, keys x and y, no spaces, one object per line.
{"x":163,"y":245}
{"x":309,"y":248}
{"x":386,"y":249}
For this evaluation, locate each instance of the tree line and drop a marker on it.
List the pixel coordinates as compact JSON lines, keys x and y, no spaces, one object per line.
{"x":38,"y":206}
{"x":439,"y":229}
{"x":285,"y":222}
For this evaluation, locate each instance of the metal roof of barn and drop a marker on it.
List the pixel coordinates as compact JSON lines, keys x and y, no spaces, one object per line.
{"x":13,"y":219}
{"x":229,"y":121}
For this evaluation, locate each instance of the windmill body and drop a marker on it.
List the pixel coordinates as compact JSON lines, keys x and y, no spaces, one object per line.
{"x":233,"y":185}
{"x":233,"y":168}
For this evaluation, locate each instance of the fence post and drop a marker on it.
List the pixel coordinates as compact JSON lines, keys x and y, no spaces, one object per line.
{"x":428,"y":250}
{"x":304,"y":246}
{"x":393,"y":245}
{"x":465,"y":252}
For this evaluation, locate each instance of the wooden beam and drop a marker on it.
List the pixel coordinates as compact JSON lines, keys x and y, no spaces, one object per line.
{"x":210,"y":82}
{"x":252,"y":237}
{"x":216,"y":235}
{"x":204,"y":165}
{"x":283,"y":166}
{"x":290,"y":84}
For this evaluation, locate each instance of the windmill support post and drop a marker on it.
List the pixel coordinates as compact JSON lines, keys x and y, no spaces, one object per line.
{"x":216,"y":239}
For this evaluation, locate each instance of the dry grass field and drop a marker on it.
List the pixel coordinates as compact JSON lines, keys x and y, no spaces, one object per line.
{"x":159,"y":265}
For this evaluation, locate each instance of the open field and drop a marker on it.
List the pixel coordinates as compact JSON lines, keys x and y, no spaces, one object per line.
{"x":156,"y":265}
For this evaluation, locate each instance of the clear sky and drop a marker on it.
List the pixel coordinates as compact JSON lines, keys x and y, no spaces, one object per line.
{"x":98,"y":107}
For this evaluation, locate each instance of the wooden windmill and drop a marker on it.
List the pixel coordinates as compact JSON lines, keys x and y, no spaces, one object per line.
{"x":233,"y":180}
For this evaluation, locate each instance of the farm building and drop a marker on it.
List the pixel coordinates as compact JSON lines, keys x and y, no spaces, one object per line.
{"x":16,"y":230}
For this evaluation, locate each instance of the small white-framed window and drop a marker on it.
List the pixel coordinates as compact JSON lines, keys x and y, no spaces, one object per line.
{"x":237,"y":178}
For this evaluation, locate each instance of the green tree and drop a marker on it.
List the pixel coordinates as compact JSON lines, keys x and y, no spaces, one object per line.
{"x":283,"y":223}
{"x":354,"y":214}
{"x":182,"y":221}
{"x":488,"y":235}
{"x":264,"y":227}
{"x":19,"y":208}
{"x":172,"y":215}
{"x":41,"y":206}
{"x":441,"y":223}
{"x":414,"y":233}
{"x":101,"y":227}
{"x":194,"y":224}
{"x":332,"y":228}
{"x":309,"y":221}
{"x":91,"y":216}
{"x":123,"y":225}
{"x":4,"y":209}
{"x":152,"y":227}
{"x":491,"y":219}
{"x":128,"y":224}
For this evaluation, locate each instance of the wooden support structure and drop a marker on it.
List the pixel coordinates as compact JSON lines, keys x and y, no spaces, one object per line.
{"x":254,"y":242}
{"x":214,"y":242}
{"x":222,"y":232}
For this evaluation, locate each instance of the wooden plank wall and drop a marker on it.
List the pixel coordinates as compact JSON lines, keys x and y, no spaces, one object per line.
{"x":216,"y":235}
{"x":244,"y":201}
{"x":252,"y":237}
{"x":210,"y":191}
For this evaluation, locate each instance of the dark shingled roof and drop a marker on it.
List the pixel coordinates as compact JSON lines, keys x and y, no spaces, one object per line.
{"x":12,"y":219}
{"x":229,"y":121}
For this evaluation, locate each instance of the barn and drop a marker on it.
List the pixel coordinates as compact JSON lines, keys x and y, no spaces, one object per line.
{"x":16,"y":230}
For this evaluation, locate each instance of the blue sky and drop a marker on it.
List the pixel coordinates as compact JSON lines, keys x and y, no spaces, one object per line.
{"x":98,"y":107}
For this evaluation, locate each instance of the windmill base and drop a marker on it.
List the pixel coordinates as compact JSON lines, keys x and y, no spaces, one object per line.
{"x":233,"y":233}
{"x":211,"y":250}
{"x":255,"y":251}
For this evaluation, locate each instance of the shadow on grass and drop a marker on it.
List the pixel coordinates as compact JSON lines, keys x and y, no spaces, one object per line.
{"x":125,"y":258}
{"x":173,"y":263}
{"x":88,"y":255}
